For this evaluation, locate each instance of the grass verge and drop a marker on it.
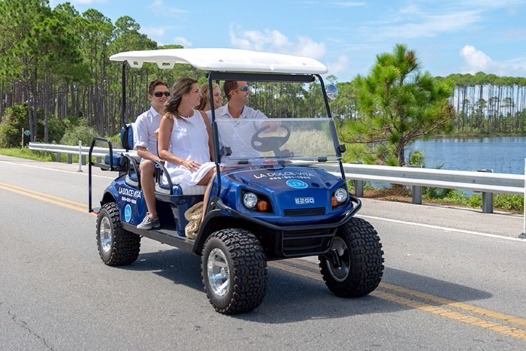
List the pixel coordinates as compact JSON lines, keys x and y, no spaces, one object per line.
{"x":28,"y":154}
{"x":39,"y":155}
{"x":502,"y":202}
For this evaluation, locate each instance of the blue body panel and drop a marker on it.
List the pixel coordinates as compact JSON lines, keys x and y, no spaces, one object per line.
{"x":132,"y":205}
{"x":298,"y":195}
{"x":130,"y":201}
{"x":286,"y":187}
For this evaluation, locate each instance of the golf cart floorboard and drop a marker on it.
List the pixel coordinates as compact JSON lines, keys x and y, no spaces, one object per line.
{"x":163,"y":235}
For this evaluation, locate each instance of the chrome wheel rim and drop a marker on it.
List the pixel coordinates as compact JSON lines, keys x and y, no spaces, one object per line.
{"x":106,"y":236}
{"x":218,"y":272}
{"x":340,"y":248}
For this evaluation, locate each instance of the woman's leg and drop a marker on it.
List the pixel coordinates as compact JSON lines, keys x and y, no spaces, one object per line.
{"x":208,"y":179}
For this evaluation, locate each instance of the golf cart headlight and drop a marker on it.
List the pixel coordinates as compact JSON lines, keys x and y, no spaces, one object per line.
{"x":250,"y":200}
{"x":341,"y":195}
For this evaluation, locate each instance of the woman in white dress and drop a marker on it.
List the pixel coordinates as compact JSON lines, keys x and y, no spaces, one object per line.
{"x":185,"y":138}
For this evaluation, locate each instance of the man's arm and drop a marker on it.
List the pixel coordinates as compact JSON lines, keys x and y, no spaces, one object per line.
{"x":147,"y":155}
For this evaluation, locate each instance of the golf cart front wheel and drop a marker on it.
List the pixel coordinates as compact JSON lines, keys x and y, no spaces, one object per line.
{"x":353,"y":267}
{"x":234,"y":271}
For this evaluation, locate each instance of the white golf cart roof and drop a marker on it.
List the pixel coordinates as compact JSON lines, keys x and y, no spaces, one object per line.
{"x":224,"y":60}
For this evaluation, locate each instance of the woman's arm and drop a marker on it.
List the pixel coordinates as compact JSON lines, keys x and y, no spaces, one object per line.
{"x":165,"y":131}
{"x":209,"y":131}
{"x":210,"y":139}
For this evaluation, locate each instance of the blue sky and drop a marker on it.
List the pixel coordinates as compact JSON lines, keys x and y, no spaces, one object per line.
{"x":448,"y":36}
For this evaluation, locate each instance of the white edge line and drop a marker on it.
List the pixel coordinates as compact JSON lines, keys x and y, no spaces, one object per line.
{"x":56,"y":170}
{"x":444,"y":228}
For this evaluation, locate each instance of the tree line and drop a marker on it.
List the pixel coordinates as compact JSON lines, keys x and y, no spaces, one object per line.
{"x":54,"y":62}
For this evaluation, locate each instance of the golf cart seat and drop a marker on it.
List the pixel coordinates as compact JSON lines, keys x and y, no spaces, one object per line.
{"x":122,"y":160}
{"x":180,"y":190}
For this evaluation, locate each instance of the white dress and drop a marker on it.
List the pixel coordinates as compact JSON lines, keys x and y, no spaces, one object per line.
{"x":189,"y":141}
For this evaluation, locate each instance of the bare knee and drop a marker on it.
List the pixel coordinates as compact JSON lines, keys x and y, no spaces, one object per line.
{"x":147,"y":167}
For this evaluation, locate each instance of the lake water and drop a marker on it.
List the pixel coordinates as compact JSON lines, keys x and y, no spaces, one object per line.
{"x":501,"y":154}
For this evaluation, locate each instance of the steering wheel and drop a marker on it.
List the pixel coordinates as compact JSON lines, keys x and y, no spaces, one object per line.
{"x":270,"y":143}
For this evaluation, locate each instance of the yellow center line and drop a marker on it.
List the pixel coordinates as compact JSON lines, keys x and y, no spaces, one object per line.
{"x":457,"y":316}
{"x":440,"y":300}
{"x":77,"y":206}
{"x":440,"y":311}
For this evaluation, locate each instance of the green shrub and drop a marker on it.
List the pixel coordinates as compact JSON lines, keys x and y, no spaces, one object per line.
{"x":509,"y":202}
{"x":14,"y":119}
{"x":416,"y":158}
{"x":10,"y":136}
{"x":56,"y":129}
{"x":83,"y":133}
{"x":115,"y":140}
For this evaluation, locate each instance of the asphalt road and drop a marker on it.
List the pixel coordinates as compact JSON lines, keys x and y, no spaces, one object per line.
{"x":454,"y":280}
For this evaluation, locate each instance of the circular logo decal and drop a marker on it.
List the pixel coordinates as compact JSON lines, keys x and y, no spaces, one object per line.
{"x":127,"y":213}
{"x":297,"y":184}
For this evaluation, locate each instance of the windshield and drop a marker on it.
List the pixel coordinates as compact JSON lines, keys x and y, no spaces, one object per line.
{"x":253,"y":141}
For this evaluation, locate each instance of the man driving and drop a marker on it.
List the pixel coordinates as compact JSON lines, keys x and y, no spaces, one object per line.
{"x":238,"y":131}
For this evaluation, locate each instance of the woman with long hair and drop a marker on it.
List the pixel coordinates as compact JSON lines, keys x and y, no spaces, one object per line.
{"x":204,"y":104}
{"x":185,"y":140}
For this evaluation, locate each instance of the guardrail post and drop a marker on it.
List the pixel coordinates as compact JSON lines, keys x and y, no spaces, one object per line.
{"x":487,"y":198}
{"x":70,"y":158}
{"x":358,"y":187}
{"x":98,"y":159}
{"x":80,"y":156}
{"x":487,"y":202}
{"x":58,"y":157}
{"x":416,"y":192}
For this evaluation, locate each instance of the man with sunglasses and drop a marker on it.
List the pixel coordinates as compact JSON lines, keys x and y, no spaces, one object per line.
{"x":237,"y":135}
{"x":146,"y":146}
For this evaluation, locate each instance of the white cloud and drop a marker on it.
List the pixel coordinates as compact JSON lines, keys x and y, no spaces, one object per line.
{"x":274,"y":41}
{"x":183,"y":41}
{"x":348,"y":4}
{"x":428,"y":25}
{"x":491,"y":3}
{"x":153,"y":31}
{"x":417,"y":21}
{"x":477,"y":60}
{"x":158,"y":6}
{"x":340,"y":66}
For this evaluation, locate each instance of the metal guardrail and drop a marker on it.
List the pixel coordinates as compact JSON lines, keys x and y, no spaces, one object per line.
{"x":487,"y":183}
{"x":81,"y":151}
{"x":71,"y":149}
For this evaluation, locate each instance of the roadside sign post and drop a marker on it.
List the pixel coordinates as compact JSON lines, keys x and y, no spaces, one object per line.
{"x":25,"y":133}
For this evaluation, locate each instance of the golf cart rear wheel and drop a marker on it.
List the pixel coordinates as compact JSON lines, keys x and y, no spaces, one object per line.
{"x":354,"y":265}
{"x":117,"y":247}
{"x":234,"y":271}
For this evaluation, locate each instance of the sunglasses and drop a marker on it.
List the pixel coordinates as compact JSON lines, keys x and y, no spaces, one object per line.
{"x":161,"y":93}
{"x":245,"y":88}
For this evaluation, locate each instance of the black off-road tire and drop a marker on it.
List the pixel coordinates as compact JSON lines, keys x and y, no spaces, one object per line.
{"x":363,"y":255}
{"x":247,"y":270}
{"x":124,"y":247}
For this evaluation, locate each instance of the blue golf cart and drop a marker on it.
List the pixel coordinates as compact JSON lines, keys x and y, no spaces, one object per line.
{"x":271,"y":198}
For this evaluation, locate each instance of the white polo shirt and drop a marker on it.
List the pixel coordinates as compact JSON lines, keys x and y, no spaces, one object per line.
{"x":147,"y":123}
{"x":237,"y":134}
